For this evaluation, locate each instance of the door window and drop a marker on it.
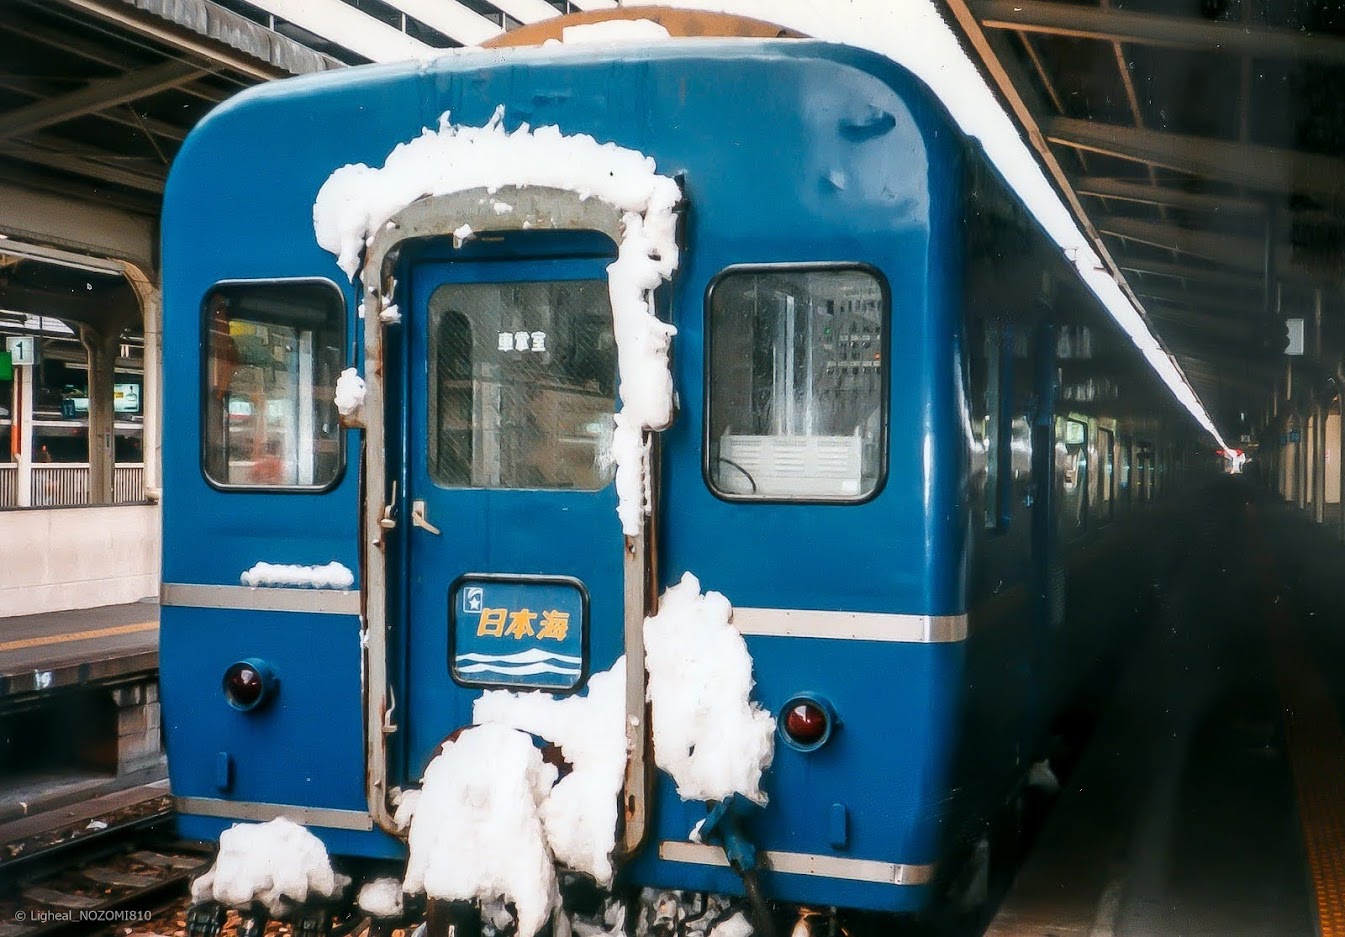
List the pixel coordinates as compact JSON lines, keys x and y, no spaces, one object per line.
{"x":797,"y":378}
{"x":522,"y":381}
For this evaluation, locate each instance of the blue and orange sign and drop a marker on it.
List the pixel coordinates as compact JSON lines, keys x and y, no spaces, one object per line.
{"x":518,"y":632}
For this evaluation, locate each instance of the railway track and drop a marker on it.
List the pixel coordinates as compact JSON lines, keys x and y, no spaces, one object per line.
{"x":117,"y":872}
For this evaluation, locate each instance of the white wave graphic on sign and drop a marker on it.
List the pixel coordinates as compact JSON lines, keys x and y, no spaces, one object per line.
{"x":525,"y":663}
{"x":531,"y":656}
{"x":520,"y":670}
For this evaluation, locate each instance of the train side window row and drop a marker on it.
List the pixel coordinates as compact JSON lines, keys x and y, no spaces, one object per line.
{"x":273,"y":353}
{"x":796,"y":384}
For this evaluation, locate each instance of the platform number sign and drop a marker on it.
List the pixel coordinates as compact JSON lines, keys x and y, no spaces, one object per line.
{"x":22,"y":349}
{"x":519,"y":633}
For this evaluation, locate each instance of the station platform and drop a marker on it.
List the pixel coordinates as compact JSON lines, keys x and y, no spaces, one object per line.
{"x":1210,"y":800}
{"x":85,"y":646}
{"x":79,"y":706}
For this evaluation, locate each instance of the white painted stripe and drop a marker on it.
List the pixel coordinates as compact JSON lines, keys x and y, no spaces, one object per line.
{"x":527,"y":11}
{"x":261,"y":599}
{"x":451,"y":18}
{"x":802,"y":863}
{"x":347,"y":26}
{"x":851,"y":626}
{"x":250,"y":810}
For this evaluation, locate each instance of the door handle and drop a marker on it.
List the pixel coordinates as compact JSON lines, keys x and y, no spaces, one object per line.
{"x":418,"y":518}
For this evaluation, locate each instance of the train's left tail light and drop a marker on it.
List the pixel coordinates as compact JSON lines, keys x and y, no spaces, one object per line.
{"x":249,"y":684}
{"x":807,"y":722}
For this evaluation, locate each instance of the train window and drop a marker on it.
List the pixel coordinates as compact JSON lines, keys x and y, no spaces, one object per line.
{"x":273,"y":352}
{"x":1123,"y":488}
{"x":1073,"y":459}
{"x":522,"y":381}
{"x":797,"y":378}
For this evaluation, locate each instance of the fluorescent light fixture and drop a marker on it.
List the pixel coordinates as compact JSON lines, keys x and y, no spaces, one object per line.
{"x":62,"y":258}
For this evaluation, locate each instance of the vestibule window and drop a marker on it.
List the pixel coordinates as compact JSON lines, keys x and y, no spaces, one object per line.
{"x":797,"y":384}
{"x":273,"y":352}
{"x":522,"y":383}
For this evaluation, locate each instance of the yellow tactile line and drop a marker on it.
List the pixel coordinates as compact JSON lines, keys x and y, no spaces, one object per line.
{"x":1316,"y":743}
{"x":78,"y":636}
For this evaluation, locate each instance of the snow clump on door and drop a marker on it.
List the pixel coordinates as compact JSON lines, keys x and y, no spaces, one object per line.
{"x":580,"y":813}
{"x":357,"y":201}
{"x":349,"y":392}
{"x":477,"y":832}
{"x":708,"y":734}
{"x":279,"y":864}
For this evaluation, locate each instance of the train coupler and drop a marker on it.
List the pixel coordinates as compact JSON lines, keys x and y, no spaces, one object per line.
{"x":723,"y":827}
{"x":206,"y":919}
{"x":445,"y":918}
{"x":312,"y":920}
{"x":253,"y":921}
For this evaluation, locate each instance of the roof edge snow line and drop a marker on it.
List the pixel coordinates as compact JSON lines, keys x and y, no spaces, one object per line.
{"x":915,"y":35}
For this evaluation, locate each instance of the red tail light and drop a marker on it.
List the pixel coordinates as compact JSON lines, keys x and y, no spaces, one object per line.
{"x":248,"y":684}
{"x":806,"y":722}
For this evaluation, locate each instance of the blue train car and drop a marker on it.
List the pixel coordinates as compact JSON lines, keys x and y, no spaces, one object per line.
{"x":906,"y":439}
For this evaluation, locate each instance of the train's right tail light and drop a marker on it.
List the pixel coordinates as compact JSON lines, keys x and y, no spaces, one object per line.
{"x":249,"y":684}
{"x":806,"y":722}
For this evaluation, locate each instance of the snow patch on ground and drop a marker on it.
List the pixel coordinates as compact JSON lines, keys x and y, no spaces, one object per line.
{"x":332,"y":576}
{"x":349,"y":392}
{"x":580,"y":813}
{"x":708,"y":734}
{"x":357,"y":200}
{"x":477,"y":832}
{"x":278,"y":863}
{"x":736,"y":926}
{"x":381,"y":898}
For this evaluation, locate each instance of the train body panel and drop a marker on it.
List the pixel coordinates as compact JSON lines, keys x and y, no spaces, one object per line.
{"x":817,"y":177}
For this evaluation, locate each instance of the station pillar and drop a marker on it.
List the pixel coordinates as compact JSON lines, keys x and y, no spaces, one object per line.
{"x":101,"y":348}
{"x":1319,"y":465}
{"x":21,"y":433}
{"x":150,"y":295}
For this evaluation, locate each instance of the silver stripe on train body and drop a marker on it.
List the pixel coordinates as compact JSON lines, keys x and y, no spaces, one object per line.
{"x":250,"y":810}
{"x":261,"y":598}
{"x":851,"y":626}
{"x":802,"y":863}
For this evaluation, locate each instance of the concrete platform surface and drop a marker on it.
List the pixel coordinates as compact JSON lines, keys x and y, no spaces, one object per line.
{"x":42,"y":652}
{"x":1196,"y":808}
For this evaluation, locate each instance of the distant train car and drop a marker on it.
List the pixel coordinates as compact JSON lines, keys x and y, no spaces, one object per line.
{"x":905,"y":438}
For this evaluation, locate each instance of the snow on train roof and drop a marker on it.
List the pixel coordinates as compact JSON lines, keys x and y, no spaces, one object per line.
{"x":913,"y":34}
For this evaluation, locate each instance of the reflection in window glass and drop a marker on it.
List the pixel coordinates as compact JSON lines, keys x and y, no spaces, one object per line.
{"x":273,"y":354}
{"x":796,"y":384}
{"x":1106,"y":441}
{"x":522,"y":385}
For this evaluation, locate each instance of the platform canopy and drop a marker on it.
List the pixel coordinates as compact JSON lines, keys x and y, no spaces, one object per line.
{"x":1200,"y":142}
{"x":1203,"y":143}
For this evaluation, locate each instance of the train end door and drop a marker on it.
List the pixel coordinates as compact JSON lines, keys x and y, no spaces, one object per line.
{"x":495,"y":558}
